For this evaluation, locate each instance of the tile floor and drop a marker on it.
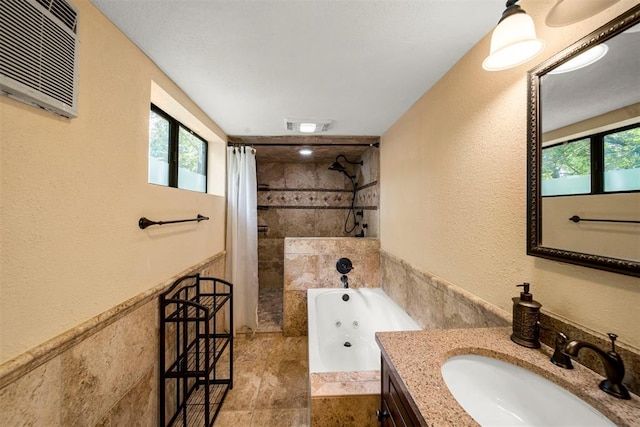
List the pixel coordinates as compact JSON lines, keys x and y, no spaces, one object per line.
{"x":271,"y":386}
{"x":270,"y":310}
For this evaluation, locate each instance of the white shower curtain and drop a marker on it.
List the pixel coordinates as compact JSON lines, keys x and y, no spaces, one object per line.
{"x":242,"y":236}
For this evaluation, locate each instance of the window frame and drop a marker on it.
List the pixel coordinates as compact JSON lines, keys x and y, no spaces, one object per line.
{"x":174,"y":150}
{"x":596,"y":161}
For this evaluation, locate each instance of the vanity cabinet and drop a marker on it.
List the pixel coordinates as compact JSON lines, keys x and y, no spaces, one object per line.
{"x":196,"y":351}
{"x":395,"y":410}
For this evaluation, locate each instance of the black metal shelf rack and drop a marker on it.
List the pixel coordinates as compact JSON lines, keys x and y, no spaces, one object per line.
{"x":196,"y":352}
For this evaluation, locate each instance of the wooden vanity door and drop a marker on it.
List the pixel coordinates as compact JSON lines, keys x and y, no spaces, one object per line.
{"x":394,"y":407}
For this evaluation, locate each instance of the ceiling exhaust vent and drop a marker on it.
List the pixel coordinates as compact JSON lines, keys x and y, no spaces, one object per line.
{"x":39,"y":54}
{"x":308,"y":125}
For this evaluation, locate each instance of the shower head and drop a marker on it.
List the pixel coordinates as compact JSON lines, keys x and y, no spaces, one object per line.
{"x":337,"y":166}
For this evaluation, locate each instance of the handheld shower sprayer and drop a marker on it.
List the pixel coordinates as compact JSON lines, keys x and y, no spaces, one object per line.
{"x":339,"y":167}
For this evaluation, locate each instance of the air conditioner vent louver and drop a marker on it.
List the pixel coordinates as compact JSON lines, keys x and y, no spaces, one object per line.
{"x":63,"y":11}
{"x":322,"y":125}
{"x":38,"y":53}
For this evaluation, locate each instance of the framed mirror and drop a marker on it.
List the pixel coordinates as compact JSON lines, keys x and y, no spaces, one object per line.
{"x":583,"y":204}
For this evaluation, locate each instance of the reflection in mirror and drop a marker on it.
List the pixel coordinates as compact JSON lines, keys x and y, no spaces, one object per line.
{"x":584,"y":156}
{"x":567,"y":12}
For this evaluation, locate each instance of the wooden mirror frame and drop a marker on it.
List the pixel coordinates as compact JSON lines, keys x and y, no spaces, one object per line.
{"x":534,"y":143}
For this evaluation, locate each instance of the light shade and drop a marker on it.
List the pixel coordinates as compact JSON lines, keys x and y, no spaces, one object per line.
{"x":513,"y":42}
{"x":587,"y":57}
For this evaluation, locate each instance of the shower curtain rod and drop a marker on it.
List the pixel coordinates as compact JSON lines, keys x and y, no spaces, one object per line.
{"x":263,"y":144}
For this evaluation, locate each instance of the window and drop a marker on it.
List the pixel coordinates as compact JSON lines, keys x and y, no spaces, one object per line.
{"x":605,"y":162}
{"x":622,"y":160}
{"x":566,"y":168}
{"x":177,"y":156}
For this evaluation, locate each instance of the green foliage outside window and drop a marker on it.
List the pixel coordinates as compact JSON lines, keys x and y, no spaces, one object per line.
{"x":622,"y":150}
{"x":571,"y":158}
{"x":158,"y":137}
{"x":570,"y":167}
{"x":191,"y":152}
{"x":177,"y":156}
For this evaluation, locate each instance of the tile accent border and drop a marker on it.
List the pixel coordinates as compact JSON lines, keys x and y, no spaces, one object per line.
{"x":37,"y":356}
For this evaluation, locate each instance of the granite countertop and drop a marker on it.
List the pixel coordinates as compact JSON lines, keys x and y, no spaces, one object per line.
{"x":417,"y":356}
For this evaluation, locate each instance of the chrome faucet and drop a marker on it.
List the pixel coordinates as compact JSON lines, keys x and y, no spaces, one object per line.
{"x":345,"y":281}
{"x":612,"y":362}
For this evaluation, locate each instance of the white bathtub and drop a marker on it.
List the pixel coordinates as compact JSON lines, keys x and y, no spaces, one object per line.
{"x":342,"y":333}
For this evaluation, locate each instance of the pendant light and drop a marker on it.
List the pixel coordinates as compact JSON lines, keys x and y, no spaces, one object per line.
{"x":513,"y":41}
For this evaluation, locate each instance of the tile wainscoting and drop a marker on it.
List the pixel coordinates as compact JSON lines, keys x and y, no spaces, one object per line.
{"x":104,"y":372}
{"x":434,"y":302}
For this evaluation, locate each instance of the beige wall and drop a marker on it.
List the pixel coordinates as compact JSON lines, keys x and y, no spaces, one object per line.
{"x":72,"y":192}
{"x":617,"y":240}
{"x":453,"y":191}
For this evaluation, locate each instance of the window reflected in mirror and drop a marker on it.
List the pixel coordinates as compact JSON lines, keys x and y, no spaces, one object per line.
{"x":622,"y":160}
{"x":566,"y":168}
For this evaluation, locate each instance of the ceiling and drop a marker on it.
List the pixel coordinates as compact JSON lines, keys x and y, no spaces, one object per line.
{"x":589,"y":92}
{"x":251,"y":64}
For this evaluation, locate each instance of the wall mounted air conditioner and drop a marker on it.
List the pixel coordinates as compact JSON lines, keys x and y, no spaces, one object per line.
{"x":39,"y":54}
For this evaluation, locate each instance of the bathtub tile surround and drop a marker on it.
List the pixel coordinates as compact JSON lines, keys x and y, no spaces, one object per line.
{"x":103,"y":372}
{"x":433,"y":302}
{"x":417,"y":357}
{"x":294,"y":303}
{"x":437,"y":304}
{"x":311,"y":263}
{"x":345,"y":411}
{"x":344,"y":398}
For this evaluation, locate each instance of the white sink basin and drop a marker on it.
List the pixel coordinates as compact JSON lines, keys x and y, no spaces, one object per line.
{"x":497,"y":393}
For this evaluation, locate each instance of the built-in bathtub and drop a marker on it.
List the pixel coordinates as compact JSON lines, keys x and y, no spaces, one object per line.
{"x":344,"y":359}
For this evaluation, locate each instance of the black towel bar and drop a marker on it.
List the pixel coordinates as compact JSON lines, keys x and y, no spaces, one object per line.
{"x":576,"y":218}
{"x":145,"y":222}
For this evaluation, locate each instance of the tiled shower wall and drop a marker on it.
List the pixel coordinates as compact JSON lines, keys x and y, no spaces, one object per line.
{"x":309,"y":200}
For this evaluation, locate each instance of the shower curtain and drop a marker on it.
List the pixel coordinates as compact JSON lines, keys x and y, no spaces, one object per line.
{"x":242,"y":236}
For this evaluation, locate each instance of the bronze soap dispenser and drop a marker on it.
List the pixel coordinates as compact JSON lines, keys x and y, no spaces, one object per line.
{"x":526,"y":314}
